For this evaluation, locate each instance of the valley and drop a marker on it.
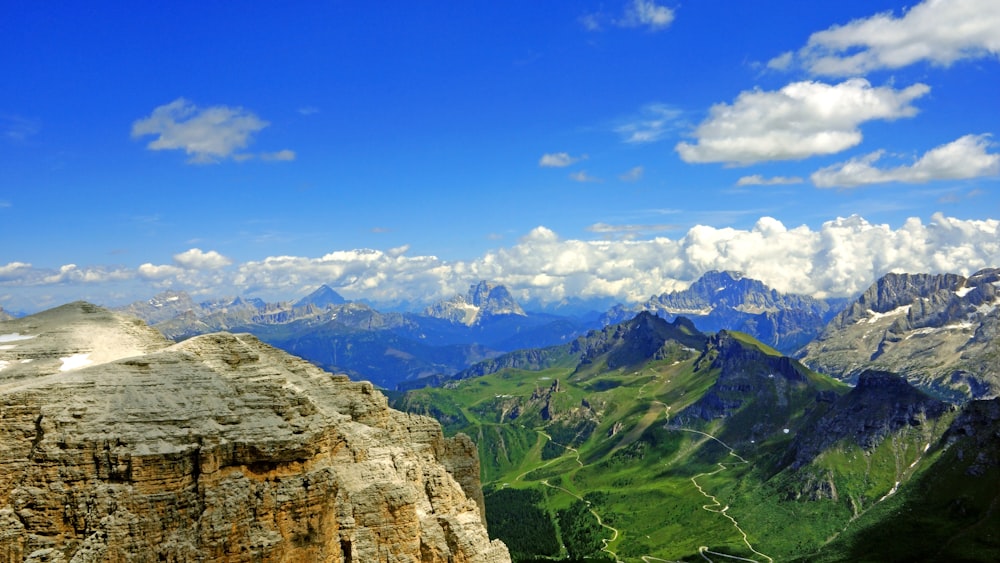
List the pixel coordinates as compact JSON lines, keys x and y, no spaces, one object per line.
{"x":731,"y":452}
{"x":654,"y":439}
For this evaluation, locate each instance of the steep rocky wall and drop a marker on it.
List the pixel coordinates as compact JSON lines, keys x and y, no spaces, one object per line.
{"x":224,"y":449}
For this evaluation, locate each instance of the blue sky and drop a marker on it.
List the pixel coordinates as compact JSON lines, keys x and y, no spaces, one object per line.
{"x":400,"y":151}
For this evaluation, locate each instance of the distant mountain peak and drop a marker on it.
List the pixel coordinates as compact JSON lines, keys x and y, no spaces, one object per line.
{"x":728,"y":299}
{"x":322,"y":298}
{"x":484,"y":299}
{"x":638,"y":340}
{"x":940,"y":331}
{"x":162,"y":306}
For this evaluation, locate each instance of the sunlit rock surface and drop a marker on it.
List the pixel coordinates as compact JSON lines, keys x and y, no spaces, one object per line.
{"x":117,"y":446}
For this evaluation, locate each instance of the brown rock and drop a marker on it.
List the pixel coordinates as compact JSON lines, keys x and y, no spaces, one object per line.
{"x":219,"y":448}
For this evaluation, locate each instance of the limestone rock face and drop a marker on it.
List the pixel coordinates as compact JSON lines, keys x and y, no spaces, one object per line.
{"x":219,"y":448}
{"x":941,"y":331}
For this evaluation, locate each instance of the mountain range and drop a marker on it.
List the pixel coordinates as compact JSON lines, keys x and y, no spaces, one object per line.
{"x":390,"y":349}
{"x":732,"y":301}
{"x":652,"y":438}
{"x":648,"y":440}
{"x":942,"y":332}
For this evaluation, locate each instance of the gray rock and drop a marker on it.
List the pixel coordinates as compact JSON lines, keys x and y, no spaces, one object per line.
{"x":219,"y":448}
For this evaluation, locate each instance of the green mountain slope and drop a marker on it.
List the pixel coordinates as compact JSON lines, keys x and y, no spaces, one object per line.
{"x":633,"y":444}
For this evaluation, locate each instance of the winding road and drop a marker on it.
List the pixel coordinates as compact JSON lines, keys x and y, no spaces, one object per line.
{"x":715,"y":506}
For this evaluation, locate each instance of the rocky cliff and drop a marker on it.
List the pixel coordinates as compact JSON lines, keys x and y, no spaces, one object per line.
{"x":940,"y":331}
{"x":730,"y":301}
{"x":117,"y":446}
{"x":483,"y":300}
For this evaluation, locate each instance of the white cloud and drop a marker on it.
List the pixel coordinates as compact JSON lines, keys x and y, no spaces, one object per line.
{"x":14,"y":271}
{"x":937,"y":31}
{"x":964,"y":158}
{"x":559,"y":160}
{"x":282,"y":155}
{"x":206,"y":134}
{"x":638,"y":13}
{"x":196,"y":259}
{"x":633,"y":175}
{"x":582,"y":176}
{"x":22,"y":274}
{"x":153,"y":272}
{"x":758,"y":180}
{"x":800,"y":120}
{"x":648,"y":14}
{"x":652,"y":124}
{"x":841,"y":257}
{"x":781,"y":62}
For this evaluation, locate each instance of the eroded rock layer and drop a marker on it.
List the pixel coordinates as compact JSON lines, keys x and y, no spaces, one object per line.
{"x":219,"y":448}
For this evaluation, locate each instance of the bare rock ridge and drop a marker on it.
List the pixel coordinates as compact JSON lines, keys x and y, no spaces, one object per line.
{"x":483,"y":300}
{"x":117,"y":446}
{"x":940,"y":331}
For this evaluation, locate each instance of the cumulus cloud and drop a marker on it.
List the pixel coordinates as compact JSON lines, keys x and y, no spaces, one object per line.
{"x":26,"y":275}
{"x":196,"y":259}
{"x":964,"y":158}
{"x":800,"y":120}
{"x":558,"y":160}
{"x":639,"y":13}
{"x":652,"y":123}
{"x":206,"y":134}
{"x":937,"y":31}
{"x":153,"y":272}
{"x":758,"y":180}
{"x":648,"y":14}
{"x":841,"y":257}
{"x":13,"y":271}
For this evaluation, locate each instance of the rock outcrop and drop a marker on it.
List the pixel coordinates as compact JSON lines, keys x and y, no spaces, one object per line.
{"x":730,"y":301}
{"x":942,"y":332}
{"x":483,"y":301}
{"x":117,"y":446}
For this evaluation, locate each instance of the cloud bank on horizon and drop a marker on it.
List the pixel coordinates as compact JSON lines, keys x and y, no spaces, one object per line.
{"x":627,"y":166}
{"x":840,"y":259}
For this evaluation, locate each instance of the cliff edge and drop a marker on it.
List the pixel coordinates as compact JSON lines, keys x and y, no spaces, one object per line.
{"x":117,"y":446}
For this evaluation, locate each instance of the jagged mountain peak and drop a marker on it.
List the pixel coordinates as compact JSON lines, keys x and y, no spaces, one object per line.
{"x":941,"y":331}
{"x":880,"y":404}
{"x":322,"y":297}
{"x":483,"y":300}
{"x":162,"y":306}
{"x":643,"y":338}
{"x":729,"y":300}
